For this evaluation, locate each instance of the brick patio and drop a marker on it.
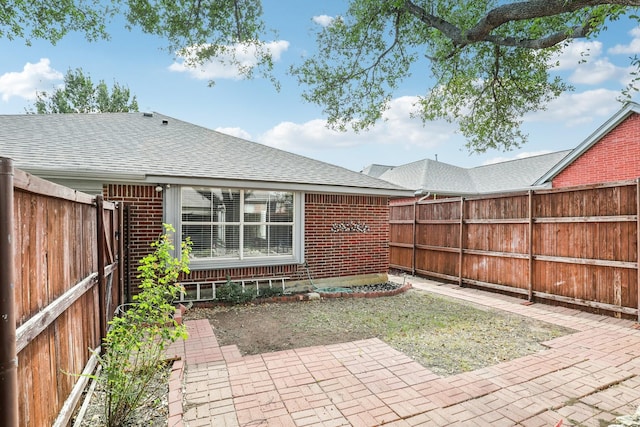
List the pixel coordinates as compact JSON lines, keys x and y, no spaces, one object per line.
{"x":585,"y":379}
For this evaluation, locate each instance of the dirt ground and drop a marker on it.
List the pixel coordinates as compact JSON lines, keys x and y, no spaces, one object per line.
{"x":443,"y":335}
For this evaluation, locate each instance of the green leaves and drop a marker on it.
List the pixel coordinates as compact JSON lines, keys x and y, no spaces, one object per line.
{"x":52,"y":20}
{"x":203,"y":30}
{"x":79,"y":95}
{"x":490,"y":61}
{"x":138,"y":336}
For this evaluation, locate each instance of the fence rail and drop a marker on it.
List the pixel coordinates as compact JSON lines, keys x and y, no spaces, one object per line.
{"x":577,"y":245}
{"x":64,"y":263}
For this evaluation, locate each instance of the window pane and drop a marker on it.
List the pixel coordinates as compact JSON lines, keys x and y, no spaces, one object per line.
{"x":227,"y":203}
{"x":267,"y":240}
{"x":201,"y":236}
{"x":281,"y":239}
{"x":210,"y":217}
{"x":268,"y":206}
{"x":213,"y":240}
{"x":227,"y":241}
{"x":196,"y":205}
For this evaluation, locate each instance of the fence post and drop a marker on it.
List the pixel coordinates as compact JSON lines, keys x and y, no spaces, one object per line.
{"x":461,"y":239}
{"x":413,"y":244}
{"x":530,"y":296}
{"x":8,"y":356}
{"x":638,"y":243}
{"x":100,"y":251}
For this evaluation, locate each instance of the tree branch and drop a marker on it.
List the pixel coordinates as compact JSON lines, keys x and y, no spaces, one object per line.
{"x":520,"y":11}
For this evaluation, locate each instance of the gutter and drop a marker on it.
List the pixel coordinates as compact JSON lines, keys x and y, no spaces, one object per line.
{"x":449,"y":193}
{"x":284,"y":186}
{"x":94,"y":175}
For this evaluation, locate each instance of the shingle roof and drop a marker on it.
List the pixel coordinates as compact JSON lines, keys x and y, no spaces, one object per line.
{"x":441,"y":178}
{"x":376,"y":170}
{"x":153,"y":144}
{"x":514,"y":174}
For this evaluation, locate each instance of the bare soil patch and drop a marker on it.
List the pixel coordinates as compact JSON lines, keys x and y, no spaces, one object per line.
{"x":442,"y":334}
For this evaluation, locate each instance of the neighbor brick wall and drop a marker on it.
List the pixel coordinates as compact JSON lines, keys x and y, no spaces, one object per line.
{"x":615,"y":157}
{"x":345,"y":253}
{"x":329,"y":250}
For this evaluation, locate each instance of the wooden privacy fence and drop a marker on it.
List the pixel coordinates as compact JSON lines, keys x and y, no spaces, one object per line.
{"x":64,"y":262}
{"x":577,"y":245}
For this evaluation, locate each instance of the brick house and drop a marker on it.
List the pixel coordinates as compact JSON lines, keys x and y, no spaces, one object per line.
{"x":252,"y":211}
{"x":611,"y":153}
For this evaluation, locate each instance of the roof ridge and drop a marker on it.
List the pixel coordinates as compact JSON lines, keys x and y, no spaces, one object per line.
{"x":521,"y":159}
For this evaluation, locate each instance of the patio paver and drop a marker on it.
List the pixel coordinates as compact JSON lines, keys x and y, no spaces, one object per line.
{"x":586,"y":378}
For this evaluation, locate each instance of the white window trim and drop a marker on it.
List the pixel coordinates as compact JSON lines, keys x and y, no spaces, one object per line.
{"x":172,"y":214}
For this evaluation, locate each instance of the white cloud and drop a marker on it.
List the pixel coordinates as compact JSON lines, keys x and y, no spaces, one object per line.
{"x":632,"y":48}
{"x":522,"y":155}
{"x":596,"y":72}
{"x":23,"y":84}
{"x":587,"y":65}
{"x":221,"y":67}
{"x":575,"y":53}
{"x":311,"y":134}
{"x":397,"y":128}
{"x":323,"y":20}
{"x":237,"y":132}
{"x":578,"y":108}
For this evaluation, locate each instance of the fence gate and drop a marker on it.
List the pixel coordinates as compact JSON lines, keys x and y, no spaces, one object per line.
{"x":61,"y":274}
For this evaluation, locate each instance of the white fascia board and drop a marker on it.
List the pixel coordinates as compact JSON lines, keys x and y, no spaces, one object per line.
{"x":129,"y":178}
{"x":90,"y":175}
{"x":284,"y":186}
{"x":487,"y":193}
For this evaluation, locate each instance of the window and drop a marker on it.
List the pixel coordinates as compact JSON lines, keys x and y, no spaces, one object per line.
{"x":231,"y":227}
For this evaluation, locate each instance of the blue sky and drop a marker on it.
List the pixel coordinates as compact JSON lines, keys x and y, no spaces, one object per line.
{"x":254,"y":110}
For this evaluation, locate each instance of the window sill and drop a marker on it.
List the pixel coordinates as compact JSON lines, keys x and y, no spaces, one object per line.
{"x":217,"y":264}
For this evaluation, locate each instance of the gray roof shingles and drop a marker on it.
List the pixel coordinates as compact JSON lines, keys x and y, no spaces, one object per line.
{"x":437,"y":177}
{"x":158,"y":145}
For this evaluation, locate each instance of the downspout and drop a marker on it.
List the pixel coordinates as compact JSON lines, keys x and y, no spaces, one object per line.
{"x":8,"y":356}
{"x":426,"y":196}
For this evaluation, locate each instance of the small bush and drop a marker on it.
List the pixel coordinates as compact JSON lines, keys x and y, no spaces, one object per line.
{"x":232,"y":292}
{"x":270,"y":292}
{"x":136,"y":340}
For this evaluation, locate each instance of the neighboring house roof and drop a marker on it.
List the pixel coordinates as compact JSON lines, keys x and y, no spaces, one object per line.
{"x":436,"y":177}
{"x":622,"y":114}
{"x":125,"y":147}
{"x":376,"y":170}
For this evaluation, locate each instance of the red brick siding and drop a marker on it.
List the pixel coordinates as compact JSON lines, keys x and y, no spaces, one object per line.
{"x":345,"y":253}
{"x":615,"y":157}
{"x":146,"y":219}
{"x":329,"y":254}
{"x":294,"y":272}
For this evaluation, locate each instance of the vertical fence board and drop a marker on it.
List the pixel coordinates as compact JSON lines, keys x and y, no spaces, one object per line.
{"x":56,"y":247}
{"x":578,"y":245}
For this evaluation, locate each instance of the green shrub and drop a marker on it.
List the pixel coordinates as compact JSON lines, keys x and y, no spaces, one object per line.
{"x":233,"y":293}
{"x":270,"y":292}
{"x":135,"y":343}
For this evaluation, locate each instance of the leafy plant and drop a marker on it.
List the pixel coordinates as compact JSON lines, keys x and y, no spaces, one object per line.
{"x":233,"y":293}
{"x":136,"y":340}
{"x":270,"y":292}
